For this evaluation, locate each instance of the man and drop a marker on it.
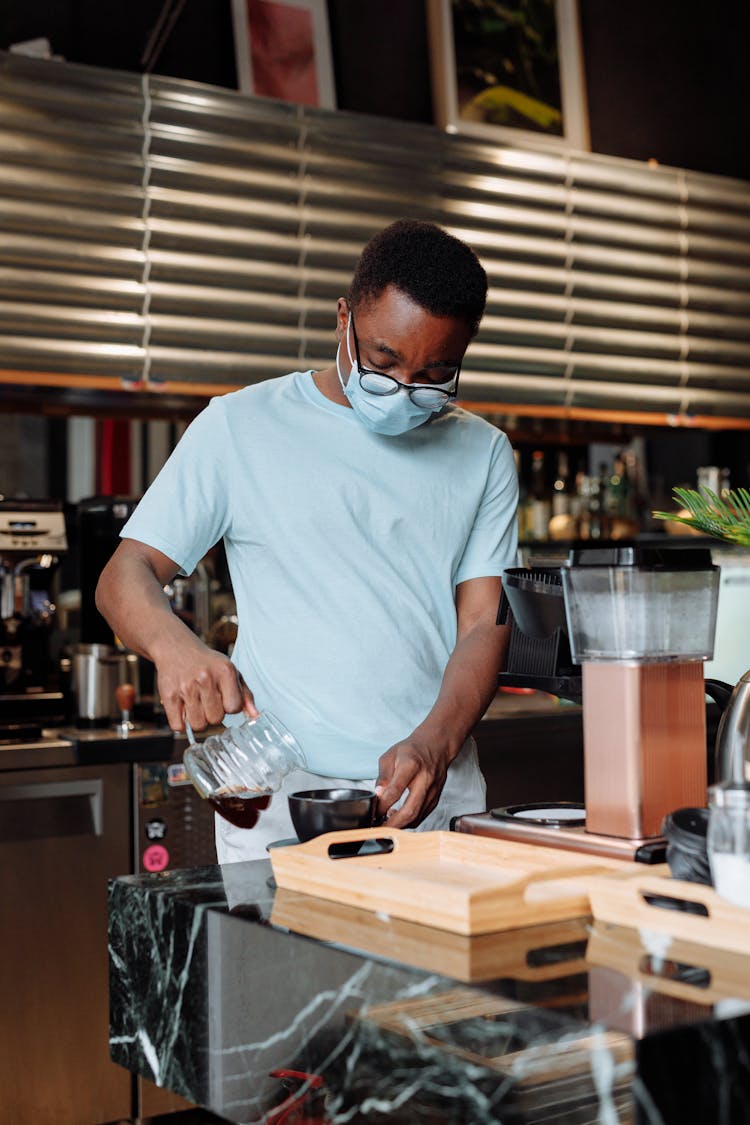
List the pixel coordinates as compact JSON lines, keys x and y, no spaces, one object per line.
{"x":367,"y":521}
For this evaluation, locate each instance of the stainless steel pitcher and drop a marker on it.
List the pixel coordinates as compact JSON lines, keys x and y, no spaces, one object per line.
{"x":733,"y":735}
{"x":97,"y":671}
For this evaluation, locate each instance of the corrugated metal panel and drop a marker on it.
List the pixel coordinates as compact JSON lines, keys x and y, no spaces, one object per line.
{"x":163,"y":232}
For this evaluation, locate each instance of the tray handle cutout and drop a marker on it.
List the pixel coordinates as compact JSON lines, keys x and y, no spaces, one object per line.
{"x":378,"y":845}
{"x":559,"y":954}
{"x":353,"y":842}
{"x":661,"y":899}
{"x":692,"y":976}
{"x":679,"y":903}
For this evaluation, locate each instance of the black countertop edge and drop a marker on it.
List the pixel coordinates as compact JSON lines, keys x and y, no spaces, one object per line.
{"x":71,"y":746}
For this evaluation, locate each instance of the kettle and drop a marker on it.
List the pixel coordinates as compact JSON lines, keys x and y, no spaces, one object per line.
{"x":733,"y":735}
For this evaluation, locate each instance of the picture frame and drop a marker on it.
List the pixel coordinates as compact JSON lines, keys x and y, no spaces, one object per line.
{"x":489,"y":112}
{"x":283,"y":50}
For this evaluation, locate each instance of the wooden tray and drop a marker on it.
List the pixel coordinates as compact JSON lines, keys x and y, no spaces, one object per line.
{"x":525,"y":955}
{"x":466,"y":884}
{"x":628,"y":899}
{"x":724,"y":975}
{"x":534,"y":1066}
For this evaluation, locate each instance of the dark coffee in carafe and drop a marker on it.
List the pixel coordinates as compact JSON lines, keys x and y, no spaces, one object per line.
{"x":241,"y":808}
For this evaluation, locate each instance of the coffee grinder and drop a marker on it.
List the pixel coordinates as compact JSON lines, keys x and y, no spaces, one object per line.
{"x":626,"y":629}
{"x":32,"y":539}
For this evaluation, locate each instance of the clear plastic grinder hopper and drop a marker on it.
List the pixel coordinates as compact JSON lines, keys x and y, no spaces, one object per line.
{"x":641,"y":621}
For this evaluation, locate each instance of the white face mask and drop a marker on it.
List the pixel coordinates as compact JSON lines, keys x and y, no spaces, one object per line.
{"x":383,"y":414}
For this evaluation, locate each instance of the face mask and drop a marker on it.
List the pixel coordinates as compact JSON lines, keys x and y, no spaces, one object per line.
{"x":383,"y":414}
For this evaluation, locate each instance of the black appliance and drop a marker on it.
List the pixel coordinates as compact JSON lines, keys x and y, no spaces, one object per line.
{"x":100,"y":521}
{"x":33,"y":540}
{"x":539,"y":656}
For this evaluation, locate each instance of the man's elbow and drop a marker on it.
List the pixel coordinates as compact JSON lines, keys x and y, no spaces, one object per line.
{"x":111,"y":581}
{"x":103,"y":592}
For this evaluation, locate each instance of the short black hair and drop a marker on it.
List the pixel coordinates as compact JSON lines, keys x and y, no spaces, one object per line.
{"x":439,"y":272}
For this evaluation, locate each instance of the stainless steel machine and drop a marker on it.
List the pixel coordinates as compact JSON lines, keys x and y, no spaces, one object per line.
{"x":626,"y":629}
{"x":32,"y":541}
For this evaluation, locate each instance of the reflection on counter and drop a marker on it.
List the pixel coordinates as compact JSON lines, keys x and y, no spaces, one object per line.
{"x":511,"y":701}
{"x":220,"y":984}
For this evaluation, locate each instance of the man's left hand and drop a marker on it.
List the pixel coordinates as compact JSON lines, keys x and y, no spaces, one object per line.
{"x":420,"y":762}
{"x":419,"y":766}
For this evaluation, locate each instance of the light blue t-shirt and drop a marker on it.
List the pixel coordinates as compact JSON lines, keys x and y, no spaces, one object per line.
{"x":344,"y":549}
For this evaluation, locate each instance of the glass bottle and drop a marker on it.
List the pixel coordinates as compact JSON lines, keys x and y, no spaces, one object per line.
{"x":561,"y":488}
{"x":540,"y":504}
{"x":523,"y":500}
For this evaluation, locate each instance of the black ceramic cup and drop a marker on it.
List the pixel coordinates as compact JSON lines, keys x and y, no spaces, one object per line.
{"x":316,"y":811}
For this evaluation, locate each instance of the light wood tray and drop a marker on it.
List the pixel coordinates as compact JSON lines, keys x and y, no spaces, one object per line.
{"x":450,"y":880}
{"x":727,"y":975}
{"x":518,"y":954}
{"x":624,"y":899}
{"x":533,"y":1066}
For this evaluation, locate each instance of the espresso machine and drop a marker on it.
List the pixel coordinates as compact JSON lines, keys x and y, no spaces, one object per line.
{"x":32,"y":541}
{"x":624,"y":629}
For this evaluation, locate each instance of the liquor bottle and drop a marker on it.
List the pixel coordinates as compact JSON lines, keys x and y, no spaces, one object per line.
{"x":620,"y":500}
{"x":564,"y":521}
{"x":596,"y":501}
{"x":577,"y":493}
{"x":590,"y":494}
{"x":561,"y":487}
{"x":540,"y":505}
{"x":524,"y":533}
{"x":581,"y":504}
{"x":617,"y":490}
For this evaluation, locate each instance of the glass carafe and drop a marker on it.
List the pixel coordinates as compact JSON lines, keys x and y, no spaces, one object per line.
{"x":239,"y":769}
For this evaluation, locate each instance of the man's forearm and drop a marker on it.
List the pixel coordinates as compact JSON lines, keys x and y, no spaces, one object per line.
{"x":468,"y":686}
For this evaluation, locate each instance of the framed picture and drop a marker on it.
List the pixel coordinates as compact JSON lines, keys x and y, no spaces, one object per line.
{"x":518,"y":64}
{"x":283,"y":50}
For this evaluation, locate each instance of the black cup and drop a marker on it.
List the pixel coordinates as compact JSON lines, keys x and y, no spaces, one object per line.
{"x":316,"y":811}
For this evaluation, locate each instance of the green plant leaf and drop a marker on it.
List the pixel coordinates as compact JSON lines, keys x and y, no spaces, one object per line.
{"x":725,"y":517}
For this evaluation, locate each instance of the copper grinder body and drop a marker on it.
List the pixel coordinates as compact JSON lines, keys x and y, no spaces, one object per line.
{"x":644,"y":737}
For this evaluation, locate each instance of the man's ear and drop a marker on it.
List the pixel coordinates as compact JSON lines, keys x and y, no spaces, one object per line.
{"x":342,"y":317}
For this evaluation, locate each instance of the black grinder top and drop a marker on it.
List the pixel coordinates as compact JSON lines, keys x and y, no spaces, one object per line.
{"x":539,"y":656}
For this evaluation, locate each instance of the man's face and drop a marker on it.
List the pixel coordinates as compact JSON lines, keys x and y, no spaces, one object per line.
{"x":399,"y":338}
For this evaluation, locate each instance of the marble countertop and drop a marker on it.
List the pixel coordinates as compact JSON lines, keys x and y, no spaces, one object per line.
{"x":262,"y":1004}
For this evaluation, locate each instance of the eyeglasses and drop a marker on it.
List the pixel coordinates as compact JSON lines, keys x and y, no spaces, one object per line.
{"x":421,"y":394}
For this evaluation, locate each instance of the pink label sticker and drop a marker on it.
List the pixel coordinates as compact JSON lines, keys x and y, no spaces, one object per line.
{"x":155,"y":858}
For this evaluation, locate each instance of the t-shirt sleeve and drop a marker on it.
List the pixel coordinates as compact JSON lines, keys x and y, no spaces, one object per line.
{"x":493,"y":540}
{"x":185,"y":511}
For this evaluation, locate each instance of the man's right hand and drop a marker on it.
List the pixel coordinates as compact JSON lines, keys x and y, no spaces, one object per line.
{"x":201,"y":685}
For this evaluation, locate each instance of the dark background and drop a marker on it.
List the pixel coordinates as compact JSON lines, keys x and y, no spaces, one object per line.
{"x":667,"y":79}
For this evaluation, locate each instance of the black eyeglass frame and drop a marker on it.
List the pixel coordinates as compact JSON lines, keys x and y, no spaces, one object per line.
{"x":410,"y":388}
